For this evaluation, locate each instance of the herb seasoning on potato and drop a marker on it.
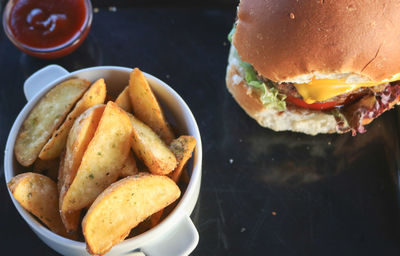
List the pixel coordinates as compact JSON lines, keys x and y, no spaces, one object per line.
{"x":120,"y":157}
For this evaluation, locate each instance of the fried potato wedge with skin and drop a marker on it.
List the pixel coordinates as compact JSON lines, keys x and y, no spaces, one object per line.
{"x":45,"y":118}
{"x":70,"y":220}
{"x":103,"y":159}
{"x":48,"y":168}
{"x":155,"y":218}
{"x":79,"y":138}
{"x":185,"y":179}
{"x":182,"y":148}
{"x":38,"y":195}
{"x":142,"y":227}
{"x":146,"y":107}
{"x":129,"y":168}
{"x":96,"y":94}
{"x":60,"y":178}
{"x":151,"y":149}
{"x":123,"y":100}
{"x":133,"y":199}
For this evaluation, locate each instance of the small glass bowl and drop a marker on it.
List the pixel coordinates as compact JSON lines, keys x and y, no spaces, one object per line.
{"x":52,"y":52}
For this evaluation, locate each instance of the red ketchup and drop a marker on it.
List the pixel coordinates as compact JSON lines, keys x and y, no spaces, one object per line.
{"x":48,"y":28}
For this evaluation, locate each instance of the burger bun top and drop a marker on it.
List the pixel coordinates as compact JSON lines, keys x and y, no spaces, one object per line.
{"x":294,"y":41}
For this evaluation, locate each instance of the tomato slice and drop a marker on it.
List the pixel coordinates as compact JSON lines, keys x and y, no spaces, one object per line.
{"x":315,"y":106}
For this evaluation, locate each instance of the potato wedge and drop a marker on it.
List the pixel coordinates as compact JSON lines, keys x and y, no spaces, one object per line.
{"x":45,"y":117}
{"x":69,"y":219}
{"x":146,"y":107}
{"x":129,"y":168}
{"x":182,"y":148}
{"x":38,"y":195}
{"x":48,"y":168}
{"x":156,"y":218}
{"x":142,"y":227}
{"x":60,"y":177}
{"x":79,"y":138}
{"x":123,"y":100}
{"x":134,"y":199}
{"x":151,"y":149}
{"x":185,"y":178}
{"x":95,"y":95}
{"x":103,"y":159}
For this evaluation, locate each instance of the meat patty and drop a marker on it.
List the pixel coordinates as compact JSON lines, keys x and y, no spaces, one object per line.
{"x":358,"y":107}
{"x":290,"y":90}
{"x":370,"y":107}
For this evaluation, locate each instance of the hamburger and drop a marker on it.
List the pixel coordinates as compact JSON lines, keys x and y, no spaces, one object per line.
{"x":315,"y":66}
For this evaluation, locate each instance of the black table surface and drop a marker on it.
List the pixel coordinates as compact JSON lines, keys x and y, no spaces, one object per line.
{"x":262,"y":193}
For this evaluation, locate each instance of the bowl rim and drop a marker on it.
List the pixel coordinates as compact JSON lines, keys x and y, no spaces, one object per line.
{"x":135,"y":242}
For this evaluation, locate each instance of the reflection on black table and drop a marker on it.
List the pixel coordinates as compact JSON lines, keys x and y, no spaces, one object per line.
{"x":262,"y":192}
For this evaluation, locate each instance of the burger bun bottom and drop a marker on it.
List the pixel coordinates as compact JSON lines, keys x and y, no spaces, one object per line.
{"x":294,"y":118}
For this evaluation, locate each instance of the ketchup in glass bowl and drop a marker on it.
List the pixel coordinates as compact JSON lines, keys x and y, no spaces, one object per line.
{"x":47,"y":28}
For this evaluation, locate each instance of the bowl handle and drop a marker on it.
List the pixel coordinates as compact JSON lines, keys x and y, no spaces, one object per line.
{"x":181,"y":241}
{"x":38,"y":80}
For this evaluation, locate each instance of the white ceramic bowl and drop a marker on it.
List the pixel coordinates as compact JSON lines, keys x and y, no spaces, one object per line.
{"x":176,"y":235}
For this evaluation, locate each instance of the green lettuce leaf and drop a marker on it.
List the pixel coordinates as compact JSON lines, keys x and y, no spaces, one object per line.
{"x":269,"y":96}
{"x":230,"y":35}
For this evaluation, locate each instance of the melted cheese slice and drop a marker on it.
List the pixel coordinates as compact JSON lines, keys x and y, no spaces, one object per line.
{"x":324,"y":89}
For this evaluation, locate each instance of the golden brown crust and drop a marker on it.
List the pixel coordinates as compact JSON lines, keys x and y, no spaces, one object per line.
{"x":286,"y":39}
